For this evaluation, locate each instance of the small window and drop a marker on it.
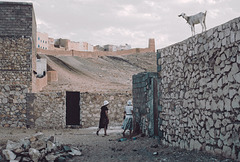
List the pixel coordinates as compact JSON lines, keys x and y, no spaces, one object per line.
{"x":38,"y":38}
{"x":38,"y":46}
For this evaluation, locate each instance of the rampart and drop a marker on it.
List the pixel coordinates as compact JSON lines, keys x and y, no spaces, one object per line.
{"x":94,"y":54}
{"x":200,"y":91}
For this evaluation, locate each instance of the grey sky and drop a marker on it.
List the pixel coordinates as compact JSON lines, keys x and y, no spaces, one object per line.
{"x":118,"y":22}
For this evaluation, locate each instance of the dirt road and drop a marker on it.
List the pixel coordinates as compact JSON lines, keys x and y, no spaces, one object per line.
{"x":108,"y":148}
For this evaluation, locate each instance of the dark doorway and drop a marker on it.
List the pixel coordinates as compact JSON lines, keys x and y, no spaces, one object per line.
{"x":155,"y":106}
{"x":72,"y":108}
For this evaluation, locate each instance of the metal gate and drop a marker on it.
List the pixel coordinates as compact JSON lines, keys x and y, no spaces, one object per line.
{"x":72,"y":108}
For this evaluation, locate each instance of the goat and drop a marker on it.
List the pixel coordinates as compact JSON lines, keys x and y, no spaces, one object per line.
{"x":195,"y":19}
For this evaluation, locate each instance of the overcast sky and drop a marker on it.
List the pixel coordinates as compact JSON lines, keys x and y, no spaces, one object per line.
{"x":118,"y":22}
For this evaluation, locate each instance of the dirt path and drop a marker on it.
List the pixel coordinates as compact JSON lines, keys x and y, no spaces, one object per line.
{"x":98,"y":148}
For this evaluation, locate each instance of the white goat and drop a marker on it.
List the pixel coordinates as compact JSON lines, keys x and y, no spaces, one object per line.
{"x":195,"y":19}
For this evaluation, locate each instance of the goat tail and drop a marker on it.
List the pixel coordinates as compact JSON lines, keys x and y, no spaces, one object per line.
{"x":205,"y":13}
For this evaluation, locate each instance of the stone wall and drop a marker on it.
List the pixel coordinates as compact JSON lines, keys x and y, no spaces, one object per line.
{"x":46,"y":110}
{"x":200,"y":91}
{"x":91,"y":106}
{"x":145,"y":102}
{"x":15,"y":80}
{"x":94,"y":54}
{"x":16,"y":60}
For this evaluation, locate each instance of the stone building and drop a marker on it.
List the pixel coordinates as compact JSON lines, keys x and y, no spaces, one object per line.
{"x":18,"y":61}
{"x":67,"y":44}
{"x":42,"y":40}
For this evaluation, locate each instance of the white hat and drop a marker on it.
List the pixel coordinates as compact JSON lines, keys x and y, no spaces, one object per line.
{"x":105,"y":103}
{"x":129,"y":102}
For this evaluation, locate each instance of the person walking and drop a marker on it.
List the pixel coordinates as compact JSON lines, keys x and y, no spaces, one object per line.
{"x":104,"y":120}
{"x":127,"y":123}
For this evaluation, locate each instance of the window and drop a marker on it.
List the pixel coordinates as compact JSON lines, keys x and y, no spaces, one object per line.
{"x":38,"y":38}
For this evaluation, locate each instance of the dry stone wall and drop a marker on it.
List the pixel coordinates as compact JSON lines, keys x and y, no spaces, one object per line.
{"x":200,"y":91}
{"x":46,"y":110}
{"x":90,"y":105}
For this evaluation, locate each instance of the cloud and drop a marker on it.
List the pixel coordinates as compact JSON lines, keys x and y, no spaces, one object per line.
{"x":213,"y":13}
{"x":123,"y":21}
{"x":41,"y":24}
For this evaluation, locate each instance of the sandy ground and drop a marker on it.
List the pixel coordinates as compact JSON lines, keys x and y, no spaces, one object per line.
{"x":108,"y":148}
{"x":101,"y":74}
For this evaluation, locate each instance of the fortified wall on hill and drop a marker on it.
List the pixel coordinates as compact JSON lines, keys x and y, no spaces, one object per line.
{"x":151,"y":48}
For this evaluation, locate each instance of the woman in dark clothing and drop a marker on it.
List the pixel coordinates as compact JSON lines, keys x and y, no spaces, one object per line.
{"x":104,"y":120}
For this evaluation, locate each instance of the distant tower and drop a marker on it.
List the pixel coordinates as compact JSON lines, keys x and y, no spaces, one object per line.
{"x":151,"y":44}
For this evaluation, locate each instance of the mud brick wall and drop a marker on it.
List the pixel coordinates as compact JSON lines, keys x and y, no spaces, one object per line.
{"x":17,"y":34}
{"x":201,"y":91}
{"x":143,"y":102}
{"x":91,"y":103}
{"x":46,"y":110}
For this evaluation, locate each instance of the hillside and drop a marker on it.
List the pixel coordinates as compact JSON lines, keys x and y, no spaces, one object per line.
{"x":102,"y":74}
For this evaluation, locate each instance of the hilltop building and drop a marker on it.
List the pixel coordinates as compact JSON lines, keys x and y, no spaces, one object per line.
{"x":42,"y":40}
{"x":84,"y":46}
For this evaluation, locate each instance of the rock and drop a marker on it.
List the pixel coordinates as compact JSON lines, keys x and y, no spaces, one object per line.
{"x":52,"y":139}
{"x":9,"y":155}
{"x":232,"y":92}
{"x":235,"y":102}
{"x":227,"y":151}
{"x":225,"y":122}
{"x":75,"y":151}
{"x":25,"y":143}
{"x":212,"y":133}
{"x":195,"y":144}
{"x":51,"y":146}
{"x":66,"y":148}
{"x":34,"y":154}
{"x":238,"y":117}
{"x":218,"y":124}
{"x":51,"y":157}
{"x":227,"y":104}
{"x":220,"y":143}
{"x":61,"y":159}
{"x":39,"y":144}
{"x":26,"y":159}
{"x":13,"y":145}
{"x":19,"y":150}
{"x":32,"y":139}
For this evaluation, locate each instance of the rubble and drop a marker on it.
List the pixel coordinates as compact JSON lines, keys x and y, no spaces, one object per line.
{"x":38,"y":148}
